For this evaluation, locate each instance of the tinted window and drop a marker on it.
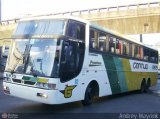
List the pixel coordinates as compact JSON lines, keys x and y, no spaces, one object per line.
{"x":76,"y":30}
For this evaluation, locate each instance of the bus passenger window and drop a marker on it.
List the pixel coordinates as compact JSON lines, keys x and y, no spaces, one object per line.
{"x":153,"y":56}
{"x":93,"y":39}
{"x":141,"y":52}
{"x":127,"y":48}
{"x":130,"y":49}
{"x":107,"y":43}
{"x":124,"y":48}
{"x":146,"y":53}
{"x":112,"y":43}
{"x":102,"y":38}
{"x":121,"y":46}
{"x":136,"y":51}
{"x":117,"y":46}
{"x":133,"y":46}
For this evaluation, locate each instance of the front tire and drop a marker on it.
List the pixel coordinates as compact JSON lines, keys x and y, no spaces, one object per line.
{"x":89,"y":94}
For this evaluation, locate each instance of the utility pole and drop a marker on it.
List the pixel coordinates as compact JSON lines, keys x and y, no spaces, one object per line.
{"x":141,"y":38}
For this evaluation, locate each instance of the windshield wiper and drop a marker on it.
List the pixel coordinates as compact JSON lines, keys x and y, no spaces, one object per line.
{"x":12,"y":71}
{"x":34,"y":74}
{"x":18,"y":59}
{"x":26,"y":57}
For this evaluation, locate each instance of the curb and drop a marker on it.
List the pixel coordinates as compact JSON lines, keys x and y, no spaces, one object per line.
{"x":156,"y":89}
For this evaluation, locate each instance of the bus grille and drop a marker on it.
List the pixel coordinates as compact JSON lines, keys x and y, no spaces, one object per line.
{"x":29,"y":82}
{"x":23,"y":82}
{"x":17,"y":80}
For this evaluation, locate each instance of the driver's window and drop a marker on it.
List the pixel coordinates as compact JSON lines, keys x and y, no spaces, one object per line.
{"x":68,"y":61}
{"x":64,"y":52}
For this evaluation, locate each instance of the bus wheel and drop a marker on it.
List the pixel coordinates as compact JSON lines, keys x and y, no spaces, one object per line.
{"x":143,"y":86}
{"x":89,"y":94}
{"x":148,"y":85}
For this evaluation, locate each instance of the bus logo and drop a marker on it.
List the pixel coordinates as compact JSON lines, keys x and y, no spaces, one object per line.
{"x":140,"y":65}
{"x":68,"y":91}
{"x":95,"y":63}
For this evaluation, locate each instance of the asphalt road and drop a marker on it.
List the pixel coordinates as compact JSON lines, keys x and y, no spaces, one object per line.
{"x":133,"y":102}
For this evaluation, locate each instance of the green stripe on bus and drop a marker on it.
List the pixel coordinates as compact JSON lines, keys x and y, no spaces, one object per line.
{"x":112,"y":74}
{"x":34,"y":79}
{"x":26,"y":78}
{"x":121,"y":74}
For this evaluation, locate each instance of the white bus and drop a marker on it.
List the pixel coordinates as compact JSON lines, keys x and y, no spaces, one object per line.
{"x":67,"y":59}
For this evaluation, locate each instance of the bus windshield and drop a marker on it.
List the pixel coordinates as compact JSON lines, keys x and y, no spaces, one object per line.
{"x":40,"y":27}
{"x":34,"y":57}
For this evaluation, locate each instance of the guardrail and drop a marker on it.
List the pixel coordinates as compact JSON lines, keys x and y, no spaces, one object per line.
{"x":95,"y":10}
{"x":11,"y":21}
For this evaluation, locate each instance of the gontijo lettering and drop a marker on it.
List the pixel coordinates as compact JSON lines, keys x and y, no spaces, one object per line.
{"x":137,"y":65}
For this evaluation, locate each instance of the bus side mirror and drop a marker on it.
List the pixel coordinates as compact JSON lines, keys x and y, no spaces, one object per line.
{"x":5,"y":51}
{"x":4,"y":56}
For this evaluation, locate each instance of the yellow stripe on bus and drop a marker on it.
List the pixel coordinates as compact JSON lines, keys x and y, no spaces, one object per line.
{"x":42,"y":80}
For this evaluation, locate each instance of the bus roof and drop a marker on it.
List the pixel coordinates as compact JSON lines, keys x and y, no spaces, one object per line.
{"x":54,"y":17}
{"x":87,"y":22}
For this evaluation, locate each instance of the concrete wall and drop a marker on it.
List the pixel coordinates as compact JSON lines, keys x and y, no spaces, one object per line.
{"x":6,"y":30}
{"x":130,"y":21}
{"x":135,"y":25}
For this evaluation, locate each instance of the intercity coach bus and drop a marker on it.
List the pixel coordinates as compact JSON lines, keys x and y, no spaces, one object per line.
{"x":66,"y":59}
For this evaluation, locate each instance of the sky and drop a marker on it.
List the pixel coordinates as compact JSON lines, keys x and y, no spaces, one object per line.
{"x":19,"y":8}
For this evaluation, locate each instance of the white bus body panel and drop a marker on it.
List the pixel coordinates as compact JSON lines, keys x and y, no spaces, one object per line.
{"x":30,"y":93}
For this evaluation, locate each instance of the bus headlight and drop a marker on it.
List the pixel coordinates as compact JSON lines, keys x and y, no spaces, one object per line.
{"x":46,"y":85}
{"x":7,"y":79}
{"x":6,"y":89}
{"x":8,"y":75}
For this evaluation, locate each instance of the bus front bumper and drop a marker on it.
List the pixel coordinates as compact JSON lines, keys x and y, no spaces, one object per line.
{"x":31,"y":93}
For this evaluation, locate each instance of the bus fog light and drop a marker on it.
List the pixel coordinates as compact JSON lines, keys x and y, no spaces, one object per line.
{"x":6,"y":89}
{"x":42,"y":95}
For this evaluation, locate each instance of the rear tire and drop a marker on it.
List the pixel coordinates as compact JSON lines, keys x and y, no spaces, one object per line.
{"x":143,"y":86}
{"x":147,"y":86}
